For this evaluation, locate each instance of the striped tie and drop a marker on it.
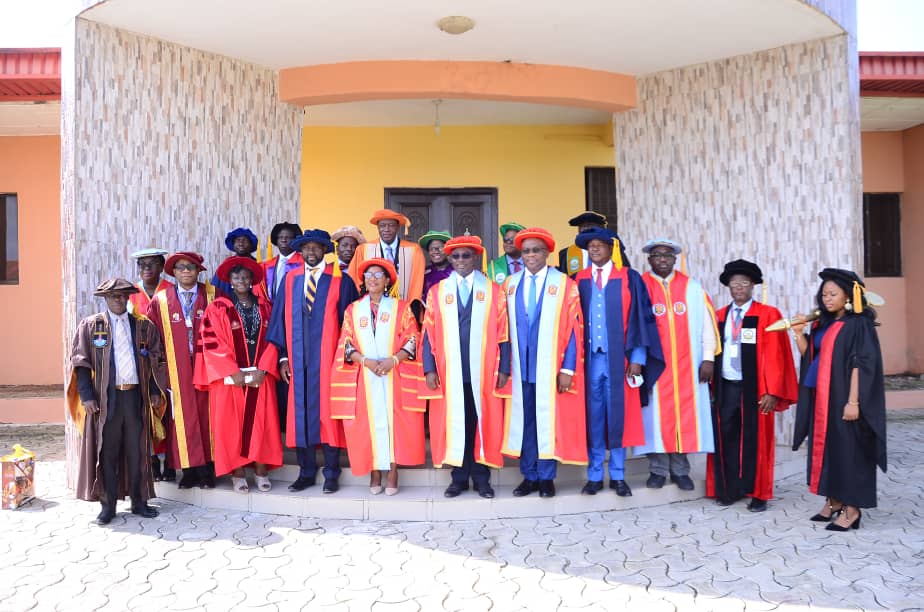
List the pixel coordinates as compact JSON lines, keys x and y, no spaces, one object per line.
{"x":125,"y":360}
{"x":312,"y":289}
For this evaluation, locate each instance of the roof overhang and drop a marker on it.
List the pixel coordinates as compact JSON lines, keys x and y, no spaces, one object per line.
{"x":891,"y":74}
{"x":30,"y":75}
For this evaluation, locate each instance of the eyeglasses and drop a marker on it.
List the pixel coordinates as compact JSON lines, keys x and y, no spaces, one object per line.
{"x":147,"y":265}
{"x":532,"y":250}
{"x":662,"y":256}
{"x":509,"y":240}
{"x":186,"y":267}
{"x":461,"y":255}
{"x":740,"y":284}
{"x":375,"y":275}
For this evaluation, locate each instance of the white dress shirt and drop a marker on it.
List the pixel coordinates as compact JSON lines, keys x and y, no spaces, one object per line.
{"x":728,"y":371}
{"x":125,"y":371}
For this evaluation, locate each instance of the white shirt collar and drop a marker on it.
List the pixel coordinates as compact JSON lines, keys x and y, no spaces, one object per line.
{"x":540,"y":275}
{"x":606,"y":268}
{"x":394,"y":245}
{"x":666,"y":279}
{"x":285,"y":258}
{"x":744,"y":307}
{"x":122,"y":317}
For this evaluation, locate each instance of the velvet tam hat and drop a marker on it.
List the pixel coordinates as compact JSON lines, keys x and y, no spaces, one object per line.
{"x":587,"y":217}
{"x":535,"y":232}
{"x":224,"y":270}
{"x":469,"y":242}
{"x":598,"y":233}
{"x":741,"y":266}
{"x":238,"y":232}
{"x":348,"y":230}
{"x":385,"y":214}
{"x":511,"y":225}
{"x":114,"y":285}
{"x":318,"y":236}
{"x":432,"y":235}
{"x":187,"y":255}
{"x":149,"y":252}
{"x":663,"y":242}
{"x":274,"y":233}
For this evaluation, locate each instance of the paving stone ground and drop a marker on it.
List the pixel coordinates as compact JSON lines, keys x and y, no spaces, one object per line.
{"x":682,"y":556}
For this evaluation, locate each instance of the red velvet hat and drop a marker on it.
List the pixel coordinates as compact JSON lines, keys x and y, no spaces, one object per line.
{"x":535,"y":232}
{"x":224,"y":270}
{"x":470,"y":242}
{"x":188,"y":256}
{"x":382,"y":263}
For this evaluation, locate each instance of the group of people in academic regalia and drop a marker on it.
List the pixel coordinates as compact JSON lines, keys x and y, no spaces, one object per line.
{"x":371,"y":345}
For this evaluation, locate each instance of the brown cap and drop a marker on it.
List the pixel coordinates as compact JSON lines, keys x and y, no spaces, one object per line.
{"x":114,"y":285}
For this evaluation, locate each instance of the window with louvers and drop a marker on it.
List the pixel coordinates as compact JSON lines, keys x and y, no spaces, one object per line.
{"x":882,"y":240}
{"x":600,"y":192}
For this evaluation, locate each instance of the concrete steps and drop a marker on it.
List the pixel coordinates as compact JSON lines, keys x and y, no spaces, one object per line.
{"x":421,"y":495}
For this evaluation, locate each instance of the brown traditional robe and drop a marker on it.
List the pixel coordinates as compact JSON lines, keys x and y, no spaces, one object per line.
{"x":149,"y":357}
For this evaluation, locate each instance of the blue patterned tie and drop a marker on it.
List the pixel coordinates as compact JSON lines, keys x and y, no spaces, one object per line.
{"x":464,"y":291}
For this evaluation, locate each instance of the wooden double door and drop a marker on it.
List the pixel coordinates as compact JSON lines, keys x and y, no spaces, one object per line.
{"x":471,"y":209}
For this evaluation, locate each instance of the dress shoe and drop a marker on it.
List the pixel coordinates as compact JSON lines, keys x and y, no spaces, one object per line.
{"x":821,"y":518}
{"x":592,"y":487}
{"x":455,"y":489}
{"x":145,"y":511}
{"x":302,"y":483}
{"x":190,"y":479}
{"x":757,"y":505}
{"x":105,"y":516}
{"x":330,"y":485}
{"x":526,"y":487}
{"x":207,"y":481}
{"x":546,"y":488}
{"x":684,"y":483}
{"x":854,"y":525}
{"x":621,"y":487}
{"x":169,"y":474}
{"x":725,"y":501}
{"x":486,"y":491}
{"x":655,"y":481}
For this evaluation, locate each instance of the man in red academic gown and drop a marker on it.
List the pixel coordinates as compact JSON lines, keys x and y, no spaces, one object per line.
{"x":150,"y":264}
{"x":177,"y":314}
{"x":466,"y":362}
{"x":756,"y":379}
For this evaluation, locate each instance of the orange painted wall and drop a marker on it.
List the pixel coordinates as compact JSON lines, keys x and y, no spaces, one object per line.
{"x":912,"y":244}
{"x":31,"y":331}
{"x":884,"y":171}
{"x":883,"y":165}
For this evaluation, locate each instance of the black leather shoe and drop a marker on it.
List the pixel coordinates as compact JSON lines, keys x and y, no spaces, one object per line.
{"x":207,"y":481}
{"x":190,"y":479}
{"x":621,"y":487}
{"x":145,"y":511}
{"x":592,"y":487}
{"x":546,"y":488}
{"x":526,"y":487}
{"x":169,"y":474}
{"x":105,"y":516}
{"x":302,"y":483}
{"x":655,"y":481}
{"x":155,"y":468}
{"x":757,"y":505}
{"x":330,"y":485}
{"x":724,"y":501}
{"x":684,"y":483}
{"x":455,"y":489}
{"x":486,"y":491}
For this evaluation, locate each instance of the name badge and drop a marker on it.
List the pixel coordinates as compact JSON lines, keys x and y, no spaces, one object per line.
{"x":731,"y":350}
{"x":749,"y":335}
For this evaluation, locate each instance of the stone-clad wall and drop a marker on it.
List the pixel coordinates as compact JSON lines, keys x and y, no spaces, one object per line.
{"x":755,"y":156}
{"x":166,"y":146}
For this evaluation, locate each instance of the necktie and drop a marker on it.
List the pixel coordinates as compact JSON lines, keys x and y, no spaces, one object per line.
{"x":187,"y":307}
{"x":280,"y":274}
{"x":125,"y":362}
{"x":600,"y":278}
{"x":516,"y":266}
{"x":464,"y":291}
{"x":736,"y":338}
{"x":531,"y":301}
{"x":390,"y":253}
{"x":312,"y":289}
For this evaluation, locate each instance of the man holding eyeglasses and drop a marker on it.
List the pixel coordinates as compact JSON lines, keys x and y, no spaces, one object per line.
{"x":150,"y":263}
{"x":757,"y":378}
{"x":511,"y":261}
{"x":545,"y":421}
{"x":177,"y":314}
{"x":678,"y":417}
{"x":305,"y":326}
{"x":466,"y":362}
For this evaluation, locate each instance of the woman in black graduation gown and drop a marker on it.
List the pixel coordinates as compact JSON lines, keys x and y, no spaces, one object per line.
{"x":841,"y":408}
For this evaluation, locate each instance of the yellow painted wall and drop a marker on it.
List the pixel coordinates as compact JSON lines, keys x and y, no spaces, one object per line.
{"x":537,"y":170}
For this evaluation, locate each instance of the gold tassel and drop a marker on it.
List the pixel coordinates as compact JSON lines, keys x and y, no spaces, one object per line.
{"x":763,"y":292}
{"x":269,"y":248}
{"x":617,"y":254}
{"x":857,"y":297}
{"x":393,"y":292}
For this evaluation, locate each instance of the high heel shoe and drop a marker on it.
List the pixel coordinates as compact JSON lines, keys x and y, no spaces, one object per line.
{"x":854,"y":525}
{"x":821,"y":518}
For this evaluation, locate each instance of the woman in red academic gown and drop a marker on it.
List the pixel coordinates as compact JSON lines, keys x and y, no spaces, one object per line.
{"x":841,"y":408}
{"x":238,"y":366}
{"x":375,"y":380}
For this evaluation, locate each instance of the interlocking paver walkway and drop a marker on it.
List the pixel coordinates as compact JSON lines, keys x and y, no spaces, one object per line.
{"x":677,"y":557}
